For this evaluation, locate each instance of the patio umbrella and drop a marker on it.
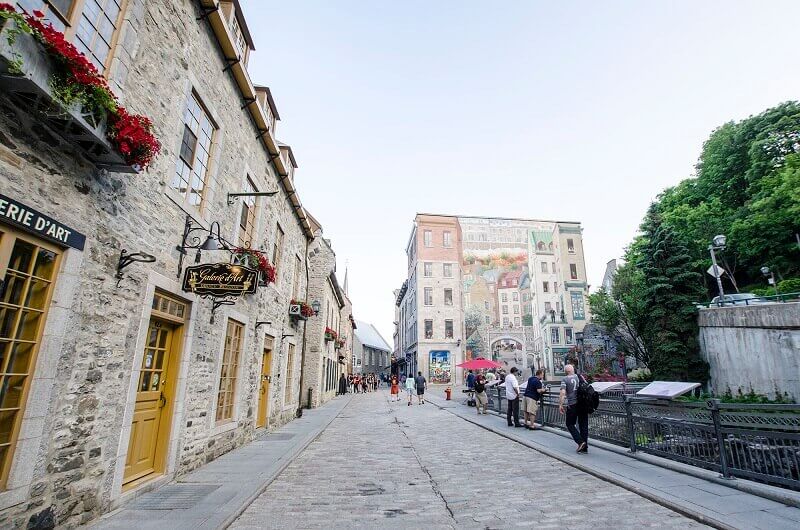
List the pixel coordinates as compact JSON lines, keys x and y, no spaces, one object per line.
{"x":478,"y":364}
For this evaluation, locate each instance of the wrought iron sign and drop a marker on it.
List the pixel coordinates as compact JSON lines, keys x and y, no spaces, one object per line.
{"x":220,"y":280}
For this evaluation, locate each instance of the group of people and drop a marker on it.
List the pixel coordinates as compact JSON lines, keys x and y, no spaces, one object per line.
{"x":576,"y":416}
{"x":412,"y":384}
{"x":359,"y":383}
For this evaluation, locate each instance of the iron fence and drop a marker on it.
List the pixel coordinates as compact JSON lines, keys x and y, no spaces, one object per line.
{"x":755,"y":441}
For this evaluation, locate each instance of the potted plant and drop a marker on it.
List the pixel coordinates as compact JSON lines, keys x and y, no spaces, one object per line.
{"x":300,"y":310}
{"x":256,"y":259}
{"x":330,"y":335}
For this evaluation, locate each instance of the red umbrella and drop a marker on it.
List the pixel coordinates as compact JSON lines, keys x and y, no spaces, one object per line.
{"x":478,"y":364}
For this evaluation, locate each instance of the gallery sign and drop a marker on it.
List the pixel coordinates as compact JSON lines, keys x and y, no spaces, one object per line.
{"x":28,"y":219}
{"x":220,"y":280}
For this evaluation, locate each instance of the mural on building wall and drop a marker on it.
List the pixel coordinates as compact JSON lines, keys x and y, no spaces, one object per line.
{"x":439,"y":367}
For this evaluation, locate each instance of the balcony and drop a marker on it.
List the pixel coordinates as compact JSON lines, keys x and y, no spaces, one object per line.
{"x":25,"y":74}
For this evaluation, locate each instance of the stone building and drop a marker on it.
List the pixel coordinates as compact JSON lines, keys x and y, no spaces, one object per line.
{"x":120,"y":383}
{"x":372,"y":349}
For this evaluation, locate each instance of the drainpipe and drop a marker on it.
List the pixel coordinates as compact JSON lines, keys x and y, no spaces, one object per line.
{"x":303,"y":350}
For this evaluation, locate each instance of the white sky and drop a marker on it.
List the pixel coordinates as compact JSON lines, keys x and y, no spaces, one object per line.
{"x":557,"y":110}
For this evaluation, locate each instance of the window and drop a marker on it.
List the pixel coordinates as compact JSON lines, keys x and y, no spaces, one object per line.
{"x":544,"y":266}
{"x":505,"y":321}
{"x":548,"y":307}
{"x":428,"y":238}
{"x":428,"y":296}
{"x":28,"y":273}
{"x":488,"y":320}
{"x":287,"y":391}
{"x":429,"y":329}
{"x":447,"y":240}
{"x":573,"y":271}
{"x":298,"y":265}
{"x":516,"y":321}
{"x":61,"y":10}
{"x":427,"y":269}
{"x":568,"y":335}
{"x":516,"y":309}
{"x":448,"y":329}
{"x":96,"y":28}
{"x":570,"y":246}
{"x":448,"y":297}
{"x":546,"y":287}
{"x":515,"y":296}
{"x":247,"y":220}
{"x":505,"y":309}
{"x":277,"y":251}
{"x":555,"y":336}
{"x":226,"y":396}
{"x":504,"y":297}
{"x":555,"y":287}
{"x":192,"y":165}
{"x":447,"y":270}
{"x":554,"y":267}
{"x":238,"y":34}
{"x":486,"y":304}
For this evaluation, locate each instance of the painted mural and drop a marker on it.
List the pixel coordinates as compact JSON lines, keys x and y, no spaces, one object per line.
{"x":439,"y":367}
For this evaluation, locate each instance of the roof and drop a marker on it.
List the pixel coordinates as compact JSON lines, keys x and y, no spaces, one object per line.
{"x":369,"y":336}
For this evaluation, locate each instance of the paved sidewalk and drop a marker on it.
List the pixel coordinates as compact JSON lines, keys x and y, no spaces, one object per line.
{"x":701,"y":498}
{"x":215,"y":494}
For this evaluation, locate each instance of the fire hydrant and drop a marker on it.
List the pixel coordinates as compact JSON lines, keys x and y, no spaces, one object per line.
{"x":447,"y":392}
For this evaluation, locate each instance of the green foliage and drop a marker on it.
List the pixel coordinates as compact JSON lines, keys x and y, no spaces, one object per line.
{"x":739,"y":397}
{"x":792,"y":285}
{"x":527,"y":320}
{"x":640,"y":375}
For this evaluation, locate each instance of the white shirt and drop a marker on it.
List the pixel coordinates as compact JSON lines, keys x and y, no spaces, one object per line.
{"x":512,"y":387}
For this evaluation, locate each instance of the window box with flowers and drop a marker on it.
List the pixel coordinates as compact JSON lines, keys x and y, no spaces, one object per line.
{"x":47,"y":77}
{"x":330,"y":335}
{"x":300,"y":310}
{"x":255,"y":259}
{"x":340,"y":343}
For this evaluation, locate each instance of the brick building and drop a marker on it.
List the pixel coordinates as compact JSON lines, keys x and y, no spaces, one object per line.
{"x":114,"y":385}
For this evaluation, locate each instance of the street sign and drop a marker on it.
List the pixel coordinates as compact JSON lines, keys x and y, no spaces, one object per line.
{"x":719,"y":273}
{"x":220,"y":280}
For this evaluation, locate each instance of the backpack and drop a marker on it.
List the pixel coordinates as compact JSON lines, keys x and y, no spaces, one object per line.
{"x":588,"y":397}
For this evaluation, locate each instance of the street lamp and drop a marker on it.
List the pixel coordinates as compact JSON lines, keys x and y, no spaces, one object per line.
{"x":315,"y":305}
{"x":718,"y":243}
{"x":770,"y":276}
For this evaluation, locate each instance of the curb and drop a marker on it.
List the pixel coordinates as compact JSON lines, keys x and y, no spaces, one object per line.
{"x":676,"y":507}
{"x":290,"y":457}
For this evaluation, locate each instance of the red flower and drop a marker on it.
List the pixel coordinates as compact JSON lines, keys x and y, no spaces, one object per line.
{"x":7,"y":7}
{"x":38,"y":14}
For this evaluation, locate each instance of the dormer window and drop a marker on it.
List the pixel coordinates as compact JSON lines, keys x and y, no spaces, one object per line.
{"x":238,"y":35}
{"x":237,"y":25}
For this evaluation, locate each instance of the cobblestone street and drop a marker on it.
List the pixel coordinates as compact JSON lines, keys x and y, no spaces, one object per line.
{"x":382,"y":464}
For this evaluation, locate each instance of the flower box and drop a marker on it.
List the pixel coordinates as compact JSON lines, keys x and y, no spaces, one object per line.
{"x":330,"y":335}
{"x":29,"y":50}
{"x":300,"y":310}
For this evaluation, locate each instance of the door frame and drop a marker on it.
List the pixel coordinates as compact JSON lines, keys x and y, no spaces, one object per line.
{"x":169,"y":286}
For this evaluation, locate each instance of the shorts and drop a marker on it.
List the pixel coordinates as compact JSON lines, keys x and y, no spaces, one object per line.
{"x":531,"y":406}
{"x":481,"y":398}
{"x":410,"y":391}
{"x":420,"y":391}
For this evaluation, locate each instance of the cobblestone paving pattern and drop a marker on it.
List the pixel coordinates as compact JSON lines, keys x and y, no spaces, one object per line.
{"x":387,"y":465}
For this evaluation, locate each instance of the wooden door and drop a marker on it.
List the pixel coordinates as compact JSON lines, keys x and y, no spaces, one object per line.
{"x":266,"y":379}
{"x":149,"y":432}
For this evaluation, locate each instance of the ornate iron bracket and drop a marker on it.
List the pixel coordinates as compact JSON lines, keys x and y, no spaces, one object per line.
{"x":126,"y":259}
{"x":216,"y":303}
{"x":233,"y":196}
{"x":189,"y":240}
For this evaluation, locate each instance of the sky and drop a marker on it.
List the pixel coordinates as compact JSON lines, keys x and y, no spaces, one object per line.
{"x":574,"y":111}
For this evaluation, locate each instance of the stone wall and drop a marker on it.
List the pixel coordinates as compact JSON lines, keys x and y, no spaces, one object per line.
{"x":73,"y":444}
{"x":752,"y":348}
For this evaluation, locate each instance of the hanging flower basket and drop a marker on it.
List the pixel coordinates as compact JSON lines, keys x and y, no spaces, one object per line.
{"x":340,"y":343}
{"x":256,"y":260}
{"x":330,"y":335}
{"x":48,"y":77}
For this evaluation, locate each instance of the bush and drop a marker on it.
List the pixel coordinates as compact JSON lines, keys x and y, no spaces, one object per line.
{"x":640,"y":375}
{"x":792,"y":285}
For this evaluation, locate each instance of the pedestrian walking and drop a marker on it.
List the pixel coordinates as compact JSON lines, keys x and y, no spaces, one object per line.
{"x":574,"y":413}
{"x":395,"y":389}
{"x":533,"y":394}
{"x":410,"y":387}
{"x":512,"y":396}
{"x":342,"y":385}
{"x":470,"y":380}
{"x":364,"y":384}
{"x":420,"y":383}
{"x":481,"y":399}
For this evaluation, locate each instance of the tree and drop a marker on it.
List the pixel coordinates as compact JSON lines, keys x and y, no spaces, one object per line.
{"x":670,"y":290}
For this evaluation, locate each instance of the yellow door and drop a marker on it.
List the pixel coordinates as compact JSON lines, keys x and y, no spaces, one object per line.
{"x":149,"y":433}
{"x":263,"y":399}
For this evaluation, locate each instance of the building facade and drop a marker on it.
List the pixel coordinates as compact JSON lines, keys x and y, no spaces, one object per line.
{"x":492,"y":281}
{"x":118,"y":374}
{"x":372,"y":353}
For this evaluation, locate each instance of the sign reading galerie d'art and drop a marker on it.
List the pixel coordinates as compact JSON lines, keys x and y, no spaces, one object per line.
{"x":39,"y":224}
{"x":220,"y":280}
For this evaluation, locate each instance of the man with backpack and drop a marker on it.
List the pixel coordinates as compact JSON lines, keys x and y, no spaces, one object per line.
{"x":481,"y":399}
{"x":581,"y":400}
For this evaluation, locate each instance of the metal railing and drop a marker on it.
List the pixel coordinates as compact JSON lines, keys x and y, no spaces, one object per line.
{"x":755,"y":441}
{"x":755,"y":301}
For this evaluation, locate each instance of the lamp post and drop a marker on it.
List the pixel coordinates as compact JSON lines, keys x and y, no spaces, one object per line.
{"x":770,"y":276}
{"x":718,"y":243}
{"x":579,"y":340}
{"x":315,"y":305}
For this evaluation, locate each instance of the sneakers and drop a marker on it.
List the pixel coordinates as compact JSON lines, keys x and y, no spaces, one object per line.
{"x":583,"y":448}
